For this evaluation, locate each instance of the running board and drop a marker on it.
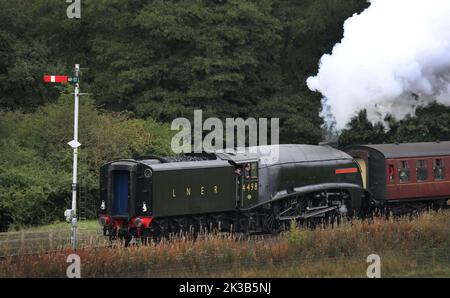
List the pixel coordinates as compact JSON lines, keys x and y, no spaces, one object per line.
{"x":308,"y":215}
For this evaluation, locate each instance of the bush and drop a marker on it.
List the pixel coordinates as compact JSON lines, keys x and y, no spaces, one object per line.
{"x":296,"y":236}
{"x":36,"y":162}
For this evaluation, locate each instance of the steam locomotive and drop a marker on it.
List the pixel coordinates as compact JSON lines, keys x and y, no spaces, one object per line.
{"x":262,"y":189}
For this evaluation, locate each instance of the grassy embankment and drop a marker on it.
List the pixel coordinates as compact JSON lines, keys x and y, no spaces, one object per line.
{"x":411,"y":248}
{"x":50,"y":237}
{"x":84,"y":225}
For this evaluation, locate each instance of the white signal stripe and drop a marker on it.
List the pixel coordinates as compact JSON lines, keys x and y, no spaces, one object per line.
{"x":53,"y":79}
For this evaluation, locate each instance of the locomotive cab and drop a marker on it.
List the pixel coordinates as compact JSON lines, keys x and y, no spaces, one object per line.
{"x":247,"y":184}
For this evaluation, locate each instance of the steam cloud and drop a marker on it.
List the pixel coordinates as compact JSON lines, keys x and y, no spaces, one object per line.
{"x":394,"y":57}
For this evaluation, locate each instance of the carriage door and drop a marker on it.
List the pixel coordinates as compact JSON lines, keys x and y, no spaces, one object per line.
{"x":250,"y":184}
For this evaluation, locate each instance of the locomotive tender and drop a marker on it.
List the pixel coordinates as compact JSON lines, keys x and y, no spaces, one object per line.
{"x":151,"y":197}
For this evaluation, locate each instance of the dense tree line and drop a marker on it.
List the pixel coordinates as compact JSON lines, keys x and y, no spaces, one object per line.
{"x":162,"y":59}
{"x":429,"y":124}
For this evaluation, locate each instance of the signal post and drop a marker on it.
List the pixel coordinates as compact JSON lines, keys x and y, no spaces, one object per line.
{"x":71,"y":214}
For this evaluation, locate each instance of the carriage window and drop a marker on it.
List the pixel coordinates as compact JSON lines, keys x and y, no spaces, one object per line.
{"x":391,"y":173}
{"x":439,"y":169}
{"x":403,"y":171}
{"x":421,"y":170}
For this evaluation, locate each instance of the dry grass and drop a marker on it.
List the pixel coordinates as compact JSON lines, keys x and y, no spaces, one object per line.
{"x":408,"y":247}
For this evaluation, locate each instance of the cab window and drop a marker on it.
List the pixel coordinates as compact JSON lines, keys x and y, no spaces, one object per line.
{"x":421,"y":170}
{"x":247,"y":171}
{"x":251,"y":170}
{"x":403,"y":171}
{"x":439,"y":169}
{"x":254,"y":170}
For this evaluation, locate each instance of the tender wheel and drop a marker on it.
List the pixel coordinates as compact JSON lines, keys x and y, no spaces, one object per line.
{"x":127,"y":237}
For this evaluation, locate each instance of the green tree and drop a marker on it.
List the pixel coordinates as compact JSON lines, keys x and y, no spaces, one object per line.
{"x":361,"y":131}
{"x":36,"y":162}
{"x":429,"y":123}
{"x":168,"y":57}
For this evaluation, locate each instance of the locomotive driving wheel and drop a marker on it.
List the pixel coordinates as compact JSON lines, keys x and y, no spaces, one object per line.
{"x":270,"y":223}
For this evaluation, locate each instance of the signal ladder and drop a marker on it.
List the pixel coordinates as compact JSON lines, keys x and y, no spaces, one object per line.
{"x":82,"y":202}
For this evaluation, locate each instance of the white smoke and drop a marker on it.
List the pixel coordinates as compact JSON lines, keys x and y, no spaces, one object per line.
{"x":394,"y":56}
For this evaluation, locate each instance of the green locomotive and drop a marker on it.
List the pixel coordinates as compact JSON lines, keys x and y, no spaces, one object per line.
{"x":259,"y":190}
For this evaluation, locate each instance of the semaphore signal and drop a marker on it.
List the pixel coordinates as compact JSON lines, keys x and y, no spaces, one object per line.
{"x":55,"y":79}
{"x":61,"y":79}
{"x":71,"y":214}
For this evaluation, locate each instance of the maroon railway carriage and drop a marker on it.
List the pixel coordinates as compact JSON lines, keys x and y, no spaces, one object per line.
{"x":405,"y":172}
